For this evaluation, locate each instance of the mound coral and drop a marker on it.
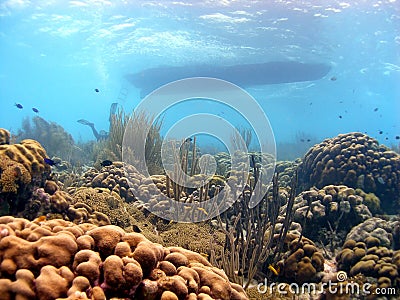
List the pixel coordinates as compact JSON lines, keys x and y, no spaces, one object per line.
{"x":303,"y":262}
{"x":387,"y":232}
{"x":357,"y":161}
{"x":371,"y":259}
{"x":59,"y":259}
{"x":329,"y":213}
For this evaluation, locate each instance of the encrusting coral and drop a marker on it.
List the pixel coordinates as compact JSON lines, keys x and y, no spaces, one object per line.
{"x":59,"y":259}
{"x":357,"y":161}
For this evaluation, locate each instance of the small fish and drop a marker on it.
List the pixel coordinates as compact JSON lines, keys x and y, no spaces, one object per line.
{"x":397,"y":137}
{"x":136,"y":228}
{"x":302,"y":140}
{"x":106,"y":163}
{"x":50,"y":162}
{"x":333,"y":78}
{"x":18,"y":105}
{"x":273,"y":270}
{"x":252,"y":161}
{"x":376,"y":109}
{"x":96,"y":90}
{"x":340,"y":117}
{"x":380,"y":131}
{"x":308,"y":140}
{"x":40,"y":219}
{"x":239,"y":273}
{"x":35,"y":110}
{"x":188,"y":140}
{"x":203,"y":210}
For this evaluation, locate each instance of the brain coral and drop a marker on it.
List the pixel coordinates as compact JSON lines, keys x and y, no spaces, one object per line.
{"x":4,"y":137}
{"x":101,"y":263}
{"x":355,"y":160}
{"x":14,"y":175}
{"x":22,"y":169}
{"x":105,"y":201}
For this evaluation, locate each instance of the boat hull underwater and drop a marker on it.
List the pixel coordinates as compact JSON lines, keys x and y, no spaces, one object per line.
{"x":245,"y":75}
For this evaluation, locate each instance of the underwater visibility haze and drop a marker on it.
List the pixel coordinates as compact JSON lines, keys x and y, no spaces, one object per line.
{"x":54,"y":54}
{"x":199,"y":149}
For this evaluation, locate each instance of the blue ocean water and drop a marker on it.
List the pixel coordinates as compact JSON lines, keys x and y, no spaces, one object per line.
{"x":54,"y":54}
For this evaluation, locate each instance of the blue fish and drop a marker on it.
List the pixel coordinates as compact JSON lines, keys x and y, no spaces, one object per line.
{"x":50,"y":162}
{"x":106,"y":163}
{"x":35,"y":109}
{"x":19,"y":105}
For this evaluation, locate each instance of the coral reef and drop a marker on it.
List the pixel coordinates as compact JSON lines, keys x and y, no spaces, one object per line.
{"x":59,"y":259}
{"x":358,"y":161}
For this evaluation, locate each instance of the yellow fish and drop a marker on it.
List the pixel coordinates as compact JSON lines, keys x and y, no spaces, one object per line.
{"x":273,"y":270}
{"x":203,"y":210}
{"x":40,"y":219}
